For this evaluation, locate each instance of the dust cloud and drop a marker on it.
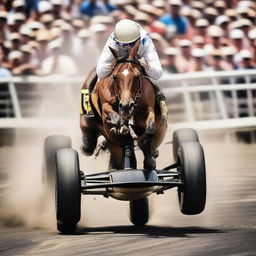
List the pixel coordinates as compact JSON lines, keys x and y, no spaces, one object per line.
{"x":24,"y":200}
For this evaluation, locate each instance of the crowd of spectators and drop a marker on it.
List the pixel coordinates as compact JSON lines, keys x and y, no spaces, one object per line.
{"x":42,"y":37}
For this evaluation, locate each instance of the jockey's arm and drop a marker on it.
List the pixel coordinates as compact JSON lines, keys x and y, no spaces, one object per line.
{"x":104,"y":66}
{"x":154,"y":69}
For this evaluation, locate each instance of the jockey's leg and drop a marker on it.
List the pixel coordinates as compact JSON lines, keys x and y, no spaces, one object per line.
{"x":90,"y":135}
{"x":161,"y":100}
{"x":92,"y":83}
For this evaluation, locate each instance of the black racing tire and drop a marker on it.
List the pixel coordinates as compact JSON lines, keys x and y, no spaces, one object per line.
{"x":51,"y":145}
{"x":139,"y":212}
{"x":192,"y":195}
{"x":182,"y":135}
{"x":68,"y":190}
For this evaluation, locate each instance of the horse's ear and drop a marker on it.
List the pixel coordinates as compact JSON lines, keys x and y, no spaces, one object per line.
{"x":134,"y":50}
{"x":114,"y":52}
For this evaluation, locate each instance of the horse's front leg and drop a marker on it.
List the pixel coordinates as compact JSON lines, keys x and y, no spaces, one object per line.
{"x":150,"y":122}
{"x":112,"y":119}
{"x":146,"y":144}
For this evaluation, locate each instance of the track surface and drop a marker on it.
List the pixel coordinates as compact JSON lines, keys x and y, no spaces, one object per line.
{"x":226,"y":227}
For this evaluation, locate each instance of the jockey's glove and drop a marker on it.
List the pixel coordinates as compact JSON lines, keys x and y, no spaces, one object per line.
{"x":144,"y":63}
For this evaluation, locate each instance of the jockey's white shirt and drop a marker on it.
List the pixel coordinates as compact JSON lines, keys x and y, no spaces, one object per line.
{"x":146,"y":50}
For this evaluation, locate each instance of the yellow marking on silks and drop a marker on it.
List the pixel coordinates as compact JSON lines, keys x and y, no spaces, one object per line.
{"x":85,"y":106}
{"x":125,"y":72}
{"x":164,"y":110}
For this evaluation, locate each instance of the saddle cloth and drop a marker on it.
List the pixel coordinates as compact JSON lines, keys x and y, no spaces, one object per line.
{"x":89,"y":102}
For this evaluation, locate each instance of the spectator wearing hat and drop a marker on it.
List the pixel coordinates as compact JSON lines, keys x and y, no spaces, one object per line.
{"x":192,"y":15}
{"x":14,"y":60}
{"x":25,"y":33}
{"x":85,"y":50}
{"x":78,"y":24}
{"x":18,"y":6}
{"x":201,"y":26}
{"x":57,"y":63}
{"x":18,"y":20}
{"x":252,"y":41}
{"x":169,"y":64}
{"x":28,"y":65}
{"x":44,"y":7}
{"x":215,"y":34}
{"x":160,"y":5}
{"x":229,"y":53}
{"x":238,"y":41}
{"x":93,"y":7}
{"x":15,"y":41}
{"x":210,"y":14}
{"x":153,"y":12}
{"x":220,"y":6}
{"x":67,"y":40}
{"x":107,"y":21}
{"x":185,"y":57}
{"x":199,"y":42}
{"x":216,"y":61}
{"x":43,"y":38}
{"x":245,"y":26}
{"x":4,"y":72}
{"x":143,"y":19}
{"x":3,"y":25}
{"x":56,"y":8}
{"x":198,"y":60}
{"x":47,"y":20}
{"x":99,"y":35}
{"x":231,"y":14}
{"x":247,"y":59}
{"x":175,"y":19}
{"x":223,"y":21}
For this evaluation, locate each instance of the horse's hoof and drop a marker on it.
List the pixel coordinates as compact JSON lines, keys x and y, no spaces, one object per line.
{"x":124,"y":130}
{"x":86,"y":151}
{"x":113,"y":131}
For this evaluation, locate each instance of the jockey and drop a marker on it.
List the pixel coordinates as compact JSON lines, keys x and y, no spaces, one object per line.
{"x":126,"y":33}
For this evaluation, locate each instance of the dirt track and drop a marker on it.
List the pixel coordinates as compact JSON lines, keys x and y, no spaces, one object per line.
{"x":226,"y":227}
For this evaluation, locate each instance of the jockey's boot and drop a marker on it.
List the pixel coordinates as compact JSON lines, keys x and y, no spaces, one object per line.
{"x":161,"y":100}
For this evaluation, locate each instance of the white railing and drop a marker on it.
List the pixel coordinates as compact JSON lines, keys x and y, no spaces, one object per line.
{"x":210,"y":98}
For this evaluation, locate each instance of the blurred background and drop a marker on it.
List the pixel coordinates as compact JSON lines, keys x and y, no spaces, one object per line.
{"x":208,"y":52}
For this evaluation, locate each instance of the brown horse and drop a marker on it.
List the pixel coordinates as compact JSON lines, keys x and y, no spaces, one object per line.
{"x":127,"y":99}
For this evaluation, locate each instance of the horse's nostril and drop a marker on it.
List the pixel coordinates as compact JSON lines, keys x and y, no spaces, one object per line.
{"x":131,"y":104}
{"x":120,"y":105}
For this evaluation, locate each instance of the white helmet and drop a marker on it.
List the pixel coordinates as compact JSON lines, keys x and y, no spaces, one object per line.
{"x":126,"y":31}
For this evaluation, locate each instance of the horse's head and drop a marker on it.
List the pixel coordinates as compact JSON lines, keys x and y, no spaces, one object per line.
{"x":126,"y":79}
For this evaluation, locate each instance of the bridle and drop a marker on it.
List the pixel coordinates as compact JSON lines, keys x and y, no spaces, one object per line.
{"x":139,"y":90}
